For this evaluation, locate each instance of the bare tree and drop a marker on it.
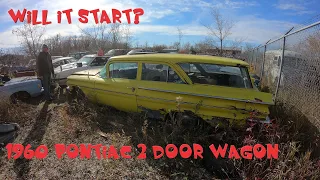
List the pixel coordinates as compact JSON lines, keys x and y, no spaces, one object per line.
{"x":115,"y":33}
{"x":176,"y":45}
{"x":221,"y":28}
{"x":157,"y":47}
{"x":146,"y":46}
{"x":187,"y":47}
{"x":203,"y":46}
{"x":180,"y":34}
{"x":98,"y":34}
{"x":31,"y":38}
{"x":236,"y":43}
{"x":127,"y":35}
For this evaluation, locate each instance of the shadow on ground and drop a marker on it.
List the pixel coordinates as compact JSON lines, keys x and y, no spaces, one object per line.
{"x":34,"y":138}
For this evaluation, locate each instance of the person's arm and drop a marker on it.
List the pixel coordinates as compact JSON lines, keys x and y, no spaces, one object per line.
{"x":38,"y":65}
{"x":50,"y":60}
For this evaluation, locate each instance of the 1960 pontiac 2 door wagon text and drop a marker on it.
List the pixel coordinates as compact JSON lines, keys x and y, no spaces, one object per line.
{"x":212,"y":88}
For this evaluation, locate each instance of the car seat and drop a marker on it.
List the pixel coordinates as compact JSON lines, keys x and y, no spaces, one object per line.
{"x":236,"y":81}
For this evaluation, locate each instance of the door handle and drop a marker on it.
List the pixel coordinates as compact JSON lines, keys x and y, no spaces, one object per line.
{"x":132,"y":88}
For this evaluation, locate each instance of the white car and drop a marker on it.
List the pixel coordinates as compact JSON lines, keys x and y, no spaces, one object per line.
{"x":85,"y":63}
{"x":60,"y":62}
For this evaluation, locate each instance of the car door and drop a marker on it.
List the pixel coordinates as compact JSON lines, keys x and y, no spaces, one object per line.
{"x":159,"y":89}
{"x":117,"y":87}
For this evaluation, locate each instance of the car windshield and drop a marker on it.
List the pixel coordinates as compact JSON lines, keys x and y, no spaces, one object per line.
{"x":99,"y":61}
{"x":221,"y":75}
{"x":86,"y":60}
{"x":110,"y":52}
{"x":103,"y":72}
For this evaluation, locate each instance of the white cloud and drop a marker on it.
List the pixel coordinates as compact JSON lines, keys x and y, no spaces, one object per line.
{"x":254,"y":29}
{"x":239,"y":4}
{"x":290,"y":6}
{"x":251,"y":29}
{"x":297,"y":7}
{"x":7,"y":39}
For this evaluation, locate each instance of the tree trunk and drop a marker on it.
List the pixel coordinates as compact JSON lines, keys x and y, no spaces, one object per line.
{"x":220,"y":47}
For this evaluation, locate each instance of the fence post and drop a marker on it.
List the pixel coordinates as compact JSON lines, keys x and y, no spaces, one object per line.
{"x":281,"y":64}
{"x":263,"y":60}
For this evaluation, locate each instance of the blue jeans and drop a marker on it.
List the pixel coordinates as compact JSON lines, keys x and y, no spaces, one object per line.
{"x":46,"y":83}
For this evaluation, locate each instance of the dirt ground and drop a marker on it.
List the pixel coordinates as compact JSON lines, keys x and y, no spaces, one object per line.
{"x":81,"y":122}
{"x":59,"y":122}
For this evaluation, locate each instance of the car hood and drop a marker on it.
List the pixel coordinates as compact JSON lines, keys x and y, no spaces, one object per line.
{"x":91,"y":71}
{"x":18,"y":80}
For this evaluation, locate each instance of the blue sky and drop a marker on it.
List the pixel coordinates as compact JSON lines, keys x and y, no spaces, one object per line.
{"x":255,"y":21}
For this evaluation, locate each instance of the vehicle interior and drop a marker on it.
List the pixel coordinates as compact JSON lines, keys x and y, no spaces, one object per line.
{"x":100,"y":61}
{"x":217,"y":75}
{"x":159,"y":72}
{"x":123,"y":70}
{"x":155,"y":73}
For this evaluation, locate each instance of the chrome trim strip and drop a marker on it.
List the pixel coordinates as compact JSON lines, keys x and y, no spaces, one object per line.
{"x":208,"y":106}
{"x":184,"y":93}
{"x":103,"y":90}
{"x":203,"y":95}
{"x":114,"y":92}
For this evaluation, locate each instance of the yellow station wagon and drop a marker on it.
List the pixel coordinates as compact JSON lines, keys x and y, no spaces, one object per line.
{"x":208,"y":87}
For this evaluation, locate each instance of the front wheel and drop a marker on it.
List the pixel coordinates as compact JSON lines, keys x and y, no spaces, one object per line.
{"x":20,"y":96}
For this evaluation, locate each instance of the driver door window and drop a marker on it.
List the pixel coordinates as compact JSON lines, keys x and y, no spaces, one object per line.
{"x":123,"y":70}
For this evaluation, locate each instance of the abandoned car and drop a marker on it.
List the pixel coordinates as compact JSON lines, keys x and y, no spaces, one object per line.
{"x":213,"y":89}
{"x":86,"y":62}
{"x":21,"y":88}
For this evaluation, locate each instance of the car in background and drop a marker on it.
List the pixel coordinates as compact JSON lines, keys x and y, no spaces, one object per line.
{"x":55,"y":57}
{"x":171,"y":51}
{"x":60,"y":62}
{"x":116,"y":52}
{"x":78,"y":55}
{"x":22,"y":88}
{"x":85,"y":63}
{"x":32,"y":64}
{"x":214,"y":89}
{"x":137,"y":51}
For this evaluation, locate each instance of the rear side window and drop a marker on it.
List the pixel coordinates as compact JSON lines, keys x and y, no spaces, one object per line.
{"x":220,"y":75}
{"x":159,"y":72}
{"x":123,"y":70}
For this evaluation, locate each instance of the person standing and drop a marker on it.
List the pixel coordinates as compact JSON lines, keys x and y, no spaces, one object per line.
{"x":44,"y":70}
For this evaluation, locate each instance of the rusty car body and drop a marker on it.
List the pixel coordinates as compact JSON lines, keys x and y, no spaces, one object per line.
{"x":208,"y":87}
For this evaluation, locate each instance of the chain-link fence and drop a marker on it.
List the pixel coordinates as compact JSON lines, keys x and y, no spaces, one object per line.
{"x":290,"y":68}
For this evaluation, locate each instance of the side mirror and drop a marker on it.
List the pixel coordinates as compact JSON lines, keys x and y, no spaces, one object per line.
{"x":79,"y":64}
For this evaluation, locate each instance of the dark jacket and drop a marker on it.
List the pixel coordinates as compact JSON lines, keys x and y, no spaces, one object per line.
{"x":44,"y":64}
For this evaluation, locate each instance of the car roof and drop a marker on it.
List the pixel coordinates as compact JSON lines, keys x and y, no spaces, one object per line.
{"x":63,"y":58}
{"x":176,"y":58}
{"x":90,"y":55}
{"x":142,"y":53}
